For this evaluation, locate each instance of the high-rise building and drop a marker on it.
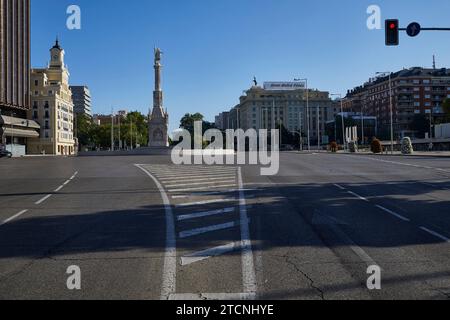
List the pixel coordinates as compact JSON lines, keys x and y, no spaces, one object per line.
{"x":52,"y":107}
{"x":284,"y":104}
{"x":15,"y":129}
{"x":81,"y":97}
{"x":414,"y":91}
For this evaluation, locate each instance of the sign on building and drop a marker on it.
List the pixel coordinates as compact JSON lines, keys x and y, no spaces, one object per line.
{"x":284,"y":85}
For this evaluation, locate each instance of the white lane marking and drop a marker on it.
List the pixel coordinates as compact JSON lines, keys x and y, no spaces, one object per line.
{"x":189,"y":204}
{"x":202,"y":188}
{"x":191,"y":171}
{"x":358,"y":196}
{"x":213,"y":296}
{"x":339,"y":186}
{"x":404,"y":164}
{"x":43,"y":199}
{"x":209,"y":193}
{"x":59,"y":188}
{"x":205,"y":214}
{"x":194,"y":175}
{"x":208,"y":253}
{"x":199,"y":231}
{"x":440,"y":236}
{"x":393,"y":213}
{"x":74,"y":175}
{"x":13,"y":217}
{"x":227,"y":176}
{"x":170,"y":259}
{"x":199,"y":183}
{"x":353,"y":246}
{"x":66,"y":183}
{"x":248,"y":267}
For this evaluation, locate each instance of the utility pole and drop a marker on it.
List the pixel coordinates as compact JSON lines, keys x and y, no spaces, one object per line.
{"x":390,"y":107}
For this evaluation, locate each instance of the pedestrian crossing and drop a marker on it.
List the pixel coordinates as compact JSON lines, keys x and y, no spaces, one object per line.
{"x":210,"y":217}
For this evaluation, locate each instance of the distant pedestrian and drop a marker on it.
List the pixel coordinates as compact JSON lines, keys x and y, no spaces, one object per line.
{"x":430,"y":146}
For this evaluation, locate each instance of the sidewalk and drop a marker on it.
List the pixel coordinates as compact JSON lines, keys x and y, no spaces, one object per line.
{"x":436,"y":154}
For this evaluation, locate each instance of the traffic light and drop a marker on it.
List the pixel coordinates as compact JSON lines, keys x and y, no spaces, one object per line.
{"x":392,"y":32}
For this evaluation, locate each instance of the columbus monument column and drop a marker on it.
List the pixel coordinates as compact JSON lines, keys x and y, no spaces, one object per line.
{"x":158,"y":121}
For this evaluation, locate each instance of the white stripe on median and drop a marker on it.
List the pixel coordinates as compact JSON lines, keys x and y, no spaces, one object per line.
{"x":199,"y":231}
{"x":205,"y":214}
{"x":190,"y":204}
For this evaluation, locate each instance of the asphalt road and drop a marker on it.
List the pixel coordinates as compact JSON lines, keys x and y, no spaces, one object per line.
{"x":139,"y":227}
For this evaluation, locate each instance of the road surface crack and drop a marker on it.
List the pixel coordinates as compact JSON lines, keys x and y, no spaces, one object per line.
{"x":311,"y":281}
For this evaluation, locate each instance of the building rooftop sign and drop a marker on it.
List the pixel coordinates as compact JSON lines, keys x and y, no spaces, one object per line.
{"x":284,"y":86}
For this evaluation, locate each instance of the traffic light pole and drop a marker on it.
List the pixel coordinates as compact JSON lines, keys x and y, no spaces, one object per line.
{"x":427,"y":29}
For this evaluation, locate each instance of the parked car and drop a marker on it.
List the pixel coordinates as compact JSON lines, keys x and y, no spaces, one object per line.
{"x":5,"y":154}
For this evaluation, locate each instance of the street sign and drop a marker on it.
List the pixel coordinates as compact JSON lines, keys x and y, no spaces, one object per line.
{"x":413,"y":29}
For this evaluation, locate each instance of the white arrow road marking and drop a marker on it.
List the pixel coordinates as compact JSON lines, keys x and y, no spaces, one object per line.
{"x":208,"y":253}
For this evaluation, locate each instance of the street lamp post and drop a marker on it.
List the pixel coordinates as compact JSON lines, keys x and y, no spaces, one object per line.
{"x":342,"y":118}
{"x":390,"y":107}
{"x":112,"y":130}
{"x":12,"y":133}
{"x":307,"y":111}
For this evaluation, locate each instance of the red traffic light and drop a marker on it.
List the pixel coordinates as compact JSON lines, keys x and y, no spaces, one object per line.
{"x":392,"y":32}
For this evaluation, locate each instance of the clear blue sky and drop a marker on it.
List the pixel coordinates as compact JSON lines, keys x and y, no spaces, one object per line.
{"x":213,"y":48}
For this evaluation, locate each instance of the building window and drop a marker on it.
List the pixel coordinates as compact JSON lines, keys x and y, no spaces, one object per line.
{"x":36,"y":83}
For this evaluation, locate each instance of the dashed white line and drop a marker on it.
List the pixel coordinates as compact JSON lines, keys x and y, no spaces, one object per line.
{"x":205,"y":214}
{"x":393,"y":213}
{"x":43,"y":199}
{"x":13,"y":217}
{"x":440,"y":236}
{"x":208,"y":229}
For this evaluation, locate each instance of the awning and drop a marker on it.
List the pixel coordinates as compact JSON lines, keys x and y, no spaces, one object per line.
{"x":18,"y":122}
{"x":22,"y":133}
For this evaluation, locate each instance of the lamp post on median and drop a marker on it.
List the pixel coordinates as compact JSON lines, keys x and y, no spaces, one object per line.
{"x":342,"y":117}
{"x":307,"y":111}
{"x":390,"y":107}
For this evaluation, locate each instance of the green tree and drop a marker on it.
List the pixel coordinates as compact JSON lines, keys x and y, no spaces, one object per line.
{"x":85,"y":132}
